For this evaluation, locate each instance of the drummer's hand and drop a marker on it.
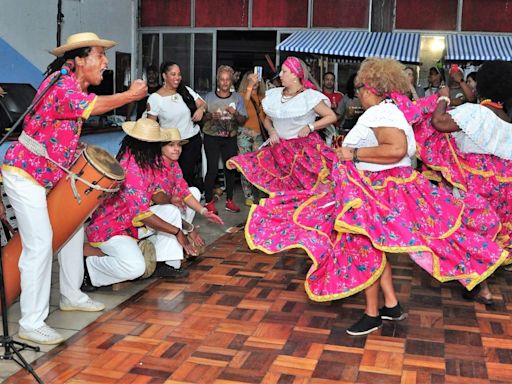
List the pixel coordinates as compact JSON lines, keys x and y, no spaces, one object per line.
{"x":344,"y":153}
{"x":81,"y":146}
{"x":196,"y":238}
{"x":210,"y":216}
{"x":273,"y":137}
{"x":138,"y":90}
{"x":187,"y":247}
{"x":177,"y":201}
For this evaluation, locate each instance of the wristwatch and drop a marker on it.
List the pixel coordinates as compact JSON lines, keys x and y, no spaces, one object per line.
{"x":311,"y":127}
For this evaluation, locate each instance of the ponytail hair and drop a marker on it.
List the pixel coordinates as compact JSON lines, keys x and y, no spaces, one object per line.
{"x":181,"y":90}
{"x":57,"y":64}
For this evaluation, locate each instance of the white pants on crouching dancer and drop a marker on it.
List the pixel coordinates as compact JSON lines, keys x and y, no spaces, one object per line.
{"x":125,"y":261}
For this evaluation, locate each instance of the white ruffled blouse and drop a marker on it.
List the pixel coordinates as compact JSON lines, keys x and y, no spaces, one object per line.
{"x":290,"y":116}
{"x":482,"y":131}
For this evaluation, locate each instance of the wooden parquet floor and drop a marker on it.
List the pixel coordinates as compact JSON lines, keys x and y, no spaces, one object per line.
{"x":243,"y":317}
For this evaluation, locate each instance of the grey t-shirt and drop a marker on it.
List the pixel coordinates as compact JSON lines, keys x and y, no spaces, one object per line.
{"x":227,"y":126}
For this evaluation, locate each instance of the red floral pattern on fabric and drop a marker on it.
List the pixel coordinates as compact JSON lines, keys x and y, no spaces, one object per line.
{"x":56,"y":123}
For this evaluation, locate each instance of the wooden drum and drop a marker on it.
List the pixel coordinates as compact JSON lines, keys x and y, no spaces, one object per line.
{"x":70,"y":203}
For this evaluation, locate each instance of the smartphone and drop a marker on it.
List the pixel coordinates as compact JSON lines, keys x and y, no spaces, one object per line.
{"x":258,"y":69}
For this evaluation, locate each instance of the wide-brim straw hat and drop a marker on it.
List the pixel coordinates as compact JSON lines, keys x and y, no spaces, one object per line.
{"x":176,"y":135}
{"x":148,"y":130}
{"x":82,"y":40}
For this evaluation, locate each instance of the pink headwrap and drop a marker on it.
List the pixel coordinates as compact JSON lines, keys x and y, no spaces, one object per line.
{"x":296,"y":68}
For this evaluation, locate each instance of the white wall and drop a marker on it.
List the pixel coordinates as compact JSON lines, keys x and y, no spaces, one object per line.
{"x":30,"y":26}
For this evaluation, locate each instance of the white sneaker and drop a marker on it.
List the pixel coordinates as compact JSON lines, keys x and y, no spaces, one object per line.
{"x":41,"y":335}
{"x":89,"y":306}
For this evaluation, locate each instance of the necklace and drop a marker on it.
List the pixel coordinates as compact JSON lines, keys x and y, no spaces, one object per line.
{"x":491,"y":103}
{"x":286,"y":98}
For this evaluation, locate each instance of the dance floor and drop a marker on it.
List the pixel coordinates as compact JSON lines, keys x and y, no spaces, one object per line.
{"x":243,"y":317}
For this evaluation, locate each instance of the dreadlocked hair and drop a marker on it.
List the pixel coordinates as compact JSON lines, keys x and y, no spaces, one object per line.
{"x":57,"y":64}
{"x":148,"y":155}
{"x":181,"y":90}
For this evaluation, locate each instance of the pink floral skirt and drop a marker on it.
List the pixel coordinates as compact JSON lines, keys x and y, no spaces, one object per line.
{"x":484,"y":181}
{"x":291,"y":165}
{"x":347,"y":229}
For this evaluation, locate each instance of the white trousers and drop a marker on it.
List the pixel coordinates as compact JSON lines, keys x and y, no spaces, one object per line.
{"x":28,"y":200}
{"x":124,"y":260}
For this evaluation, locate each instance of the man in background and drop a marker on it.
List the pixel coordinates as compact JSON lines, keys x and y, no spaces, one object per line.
{"x":335,"y":97}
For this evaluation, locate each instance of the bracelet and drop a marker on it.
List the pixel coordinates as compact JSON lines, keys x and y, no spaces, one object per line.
{"x":178,"y":232}
{"x":355,"y":159}
{"x":190,"y":230}
{"x":203,"y":211}
{"x":444,"y":98}
{"x":311,"y":127}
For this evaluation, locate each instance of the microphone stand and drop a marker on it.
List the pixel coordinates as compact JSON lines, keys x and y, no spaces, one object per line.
{"x":13,"y":347}
{"x":63,"y":71}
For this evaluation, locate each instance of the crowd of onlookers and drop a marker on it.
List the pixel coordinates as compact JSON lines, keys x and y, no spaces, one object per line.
{"x":229,"y":120}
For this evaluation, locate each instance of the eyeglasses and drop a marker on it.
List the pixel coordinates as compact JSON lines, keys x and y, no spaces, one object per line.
{"x":358,"y":87}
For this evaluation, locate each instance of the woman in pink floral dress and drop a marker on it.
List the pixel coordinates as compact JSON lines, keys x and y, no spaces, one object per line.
{"x":376,"y":203}
{"x":294,"y":156}
{"x":468,"y":149}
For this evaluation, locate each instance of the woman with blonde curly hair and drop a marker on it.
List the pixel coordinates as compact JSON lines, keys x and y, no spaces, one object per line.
{"x":376,"y":204}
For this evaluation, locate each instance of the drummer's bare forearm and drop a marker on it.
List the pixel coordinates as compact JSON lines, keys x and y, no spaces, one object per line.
{"x":105,"y":104}
{"x":156,"y":223}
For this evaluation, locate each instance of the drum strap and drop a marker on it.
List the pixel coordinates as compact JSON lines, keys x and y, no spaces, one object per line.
{"x":39,"y":149}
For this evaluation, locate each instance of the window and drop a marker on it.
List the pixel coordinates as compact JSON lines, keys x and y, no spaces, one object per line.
{"x":203,"y":62}
{"x":176,"y":48}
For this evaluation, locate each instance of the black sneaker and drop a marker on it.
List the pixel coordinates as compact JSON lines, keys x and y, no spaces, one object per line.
{"x":166,"y":271}
{"x":87,"y":283}
{"x":367,"y":324}
{"x":395,"y":314}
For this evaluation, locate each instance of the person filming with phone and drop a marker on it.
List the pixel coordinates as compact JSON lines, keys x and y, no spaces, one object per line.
{"x":250,"y":135}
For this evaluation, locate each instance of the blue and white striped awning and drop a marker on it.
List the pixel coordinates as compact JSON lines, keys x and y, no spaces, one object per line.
{"x":478,"y":47}
{"x":402,"y":46}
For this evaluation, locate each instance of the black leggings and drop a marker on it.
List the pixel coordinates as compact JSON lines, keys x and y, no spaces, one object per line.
{"x":214,"y":146}
{"x":190,"y":157}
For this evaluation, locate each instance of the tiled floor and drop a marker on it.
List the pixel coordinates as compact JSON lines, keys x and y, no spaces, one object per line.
{"x":69,"y":323}
{"x":243,"y":317}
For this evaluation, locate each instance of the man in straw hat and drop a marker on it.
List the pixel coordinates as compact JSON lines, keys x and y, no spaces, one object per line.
{"x":128,"y":215}
{"x":56,"y":123}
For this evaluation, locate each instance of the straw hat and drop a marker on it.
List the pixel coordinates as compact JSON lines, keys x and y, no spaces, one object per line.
{"x":82,"y":40}
{"x":175,"y":135}
{"x":148,"y":130}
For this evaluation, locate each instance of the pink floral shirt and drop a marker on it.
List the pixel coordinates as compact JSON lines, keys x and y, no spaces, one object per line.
{"x":56,"y":123}
{"x":171,"y":181}
{"x":122,"y":213}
